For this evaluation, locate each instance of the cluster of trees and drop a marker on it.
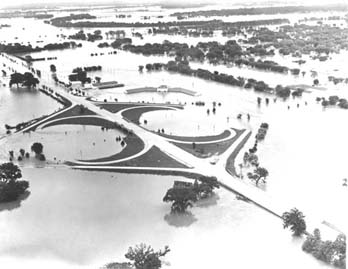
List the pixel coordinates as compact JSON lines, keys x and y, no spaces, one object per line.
{"x":301,"y":39}
{"x":183,"y":196}
{"x":262,"y":131}
{"x":259,"y":11}
{"x":264,"y":65}
{"x":87,"y":69}
{"x":60,"y":46}
{"x":331,"y":252}
{"x":17,"y":48}
{"x":333,"y":100}
{"x":336,"y":80}
{"x":283,"y":92}
{"x":27,"y":79}
{"x":10,"y":187}
{"x":196,"y":32}
{"x":214,"y":52}
{"x":114,"y":34}
{"x":112,"y":24}
{"x":103,"y":45}
{"x":141,"y":256}
{"x":183,"y":68}
{"x":205,"y":25}
{"x":250,"y":159}
{"x":21,"y":156}
{"x":62,"y":21}
{"x":80,"y":35}
{"x":119,"y":42}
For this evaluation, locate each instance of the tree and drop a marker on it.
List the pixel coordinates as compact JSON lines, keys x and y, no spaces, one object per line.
{"x":260,"y":174}
{"x":144,"y":257}
{"x":53,"y":68}
{"x":312,"y":241}
{"x":22,"y":152}
{"x":316,"y":82}
{"x":331,"y":252}
{"x":181,"y":199}
{"x":30,"y":80}
{"x":16,"y":78}
{"x":295,"y":220}
{"x":10,"y":187}
{"x":97,"y":79}
{"x":37,"y":148}
{"x":149,"y":67}
{"x":205,"y":188}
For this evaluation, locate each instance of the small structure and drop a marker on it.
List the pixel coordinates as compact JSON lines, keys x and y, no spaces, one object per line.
{"x":182,"y":185}
{"x":107,"y":85}
{"x":162,"y":88}
{"x":76,"y":85}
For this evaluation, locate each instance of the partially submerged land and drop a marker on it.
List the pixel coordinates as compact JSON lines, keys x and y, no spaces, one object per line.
{"x":134,"y":128}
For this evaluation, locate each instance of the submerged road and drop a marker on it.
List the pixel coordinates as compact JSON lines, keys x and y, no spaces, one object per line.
{"x":197,"y":165}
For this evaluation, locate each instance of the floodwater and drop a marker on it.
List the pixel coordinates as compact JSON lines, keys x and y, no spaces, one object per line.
{"x":20,"y":105}
{"x":78,"y":219}
{"x":80,"y":142}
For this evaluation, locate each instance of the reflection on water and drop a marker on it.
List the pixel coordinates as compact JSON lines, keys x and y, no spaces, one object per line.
{"x":180,"y":220}
{"x":22,"y":105}
{"x":15,"y":204}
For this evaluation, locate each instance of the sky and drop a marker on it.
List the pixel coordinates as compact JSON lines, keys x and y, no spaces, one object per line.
{"x":6,"y":3}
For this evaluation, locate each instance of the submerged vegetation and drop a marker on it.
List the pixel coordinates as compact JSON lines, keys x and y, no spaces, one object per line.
{"x":295,"y":220}
{"x":183,"y":194}
{"x":10,"y":185}
{"x":141,"y":256}
{"x":330,"y":252}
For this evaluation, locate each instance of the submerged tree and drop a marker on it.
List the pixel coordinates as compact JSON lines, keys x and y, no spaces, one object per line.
{"x":181,"y":199}
{"x":53,"y":68}
{"x":331,"y":252}
{"x":16,"y":78}
{"x":37,"y":148}
{"x":10,"y":187}
{"x":295,"y":220}
{"x":260,"y":174}
{"x":30,"y":80}
{"x":205,"y":187}
{"x":144,"y":257}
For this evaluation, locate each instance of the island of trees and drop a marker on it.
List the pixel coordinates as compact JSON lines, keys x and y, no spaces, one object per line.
{"x":10,"y":185}
{"x":141,"y":256}
{"x":184,"y":68}
{"x":330,"y":252}
{"x":260,"y":11}
{"x":17,"y":48}
{"x":183,"y":194}
{"x":216,"y":24}
{"x":27,"y":80}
